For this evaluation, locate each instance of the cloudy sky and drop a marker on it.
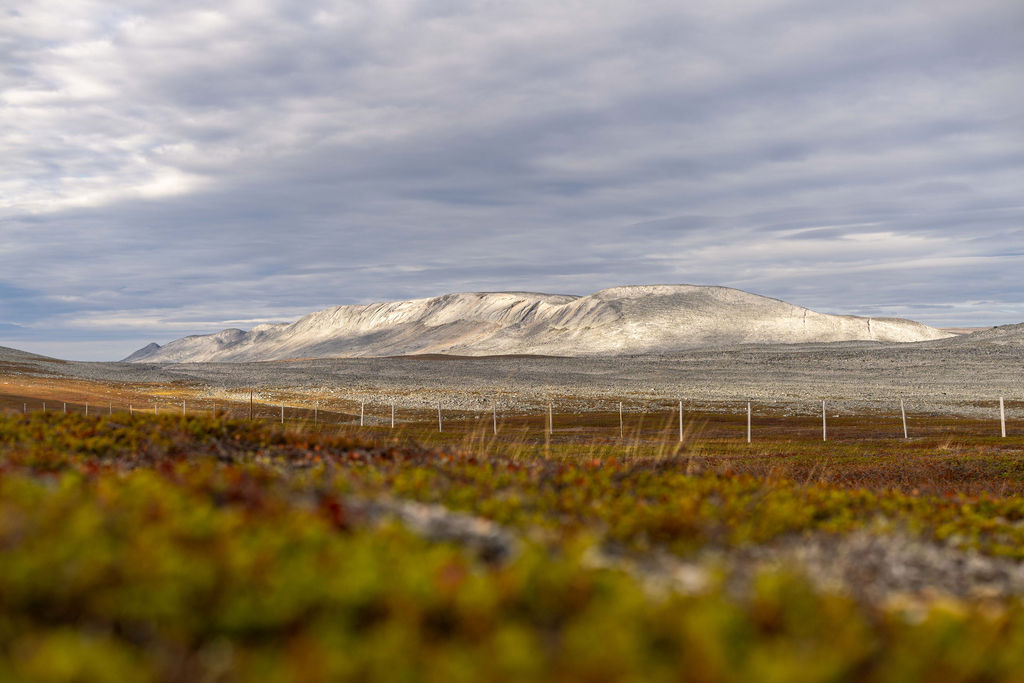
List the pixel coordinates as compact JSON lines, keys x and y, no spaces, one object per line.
{"x":169,"y":169}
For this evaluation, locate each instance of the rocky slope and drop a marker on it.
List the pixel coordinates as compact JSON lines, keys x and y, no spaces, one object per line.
{"x":1003,"y":335}
{"x":641,"y":319}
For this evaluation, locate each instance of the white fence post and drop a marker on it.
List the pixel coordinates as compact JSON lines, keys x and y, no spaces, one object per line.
{"x":362,"y":412}
{"x":282,"y":413}
{"x":824,"y":425}
{"x":86,"y":407}
{"x":551,"y":422}
{"x":1002,"y":417}
{"x":439,"y":427}
{"x":183,"y":408}
{"x":392,"y":414}
{"x":620,"y":420}
{"x":748,"y":421}
{"x":903,"y":412}
{"x":65,"y":408}
{"x":316,"y":407}
{"x":680,"y":420}
{"x":494,"y":416}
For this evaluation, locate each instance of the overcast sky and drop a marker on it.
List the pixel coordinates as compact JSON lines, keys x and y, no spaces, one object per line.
{"x":169,"y":169}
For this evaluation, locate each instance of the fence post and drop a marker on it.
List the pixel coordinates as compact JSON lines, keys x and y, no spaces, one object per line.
{"x":494,"y":416}
{"x":551,"y":422}
{"x":316,"y":407}
{"x":392,"y":414}
{"x":65,"y":408}
{"x":250,"y":404}
{"x":182,"y":408}
{"x":282,"y":413}
{"x":439,"y":417}
{"x":44,"y":407}
{"x":903,"y":412}
{"x":1002,"y":417}
{"x":620,"y":419}
{"x":748,"y":421}
{"x":86,"y":407}
{"x":362,"y":411}
{"x":110,"y":408}
{"x":156,"y":409}
{"x":680,"y":420}
{"x":824,"y":426}
{"x":131,"y":411}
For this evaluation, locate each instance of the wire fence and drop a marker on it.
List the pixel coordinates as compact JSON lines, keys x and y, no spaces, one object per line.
{"x":667,"y":421}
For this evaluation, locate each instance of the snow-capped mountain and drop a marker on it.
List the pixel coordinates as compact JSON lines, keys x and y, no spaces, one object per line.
{"x":639,"y":319}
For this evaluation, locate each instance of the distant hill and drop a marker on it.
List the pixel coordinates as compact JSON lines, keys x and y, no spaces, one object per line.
{"x":640,"y":319}
{"x":1002,"y":335}
{"x":7,"y":354}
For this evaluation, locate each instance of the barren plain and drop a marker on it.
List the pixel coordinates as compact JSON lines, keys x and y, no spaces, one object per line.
{"x":960,"y":376}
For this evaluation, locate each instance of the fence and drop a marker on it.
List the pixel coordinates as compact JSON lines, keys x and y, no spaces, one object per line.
{"x":671,"y":419}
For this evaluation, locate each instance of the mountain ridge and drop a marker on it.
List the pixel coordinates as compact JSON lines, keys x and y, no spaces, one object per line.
{"x":626,"y":319}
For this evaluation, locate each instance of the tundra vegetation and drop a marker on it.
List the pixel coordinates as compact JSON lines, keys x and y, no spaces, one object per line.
{"x":203,"y":547}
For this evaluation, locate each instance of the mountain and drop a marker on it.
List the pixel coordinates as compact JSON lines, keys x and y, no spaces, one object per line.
{"x":641,"y":319}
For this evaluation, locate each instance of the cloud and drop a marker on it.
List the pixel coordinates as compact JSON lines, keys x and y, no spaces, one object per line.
{"x":174,"y":166}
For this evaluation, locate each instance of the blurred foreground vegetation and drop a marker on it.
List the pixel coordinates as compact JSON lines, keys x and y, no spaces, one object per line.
{"x":172,"y":548}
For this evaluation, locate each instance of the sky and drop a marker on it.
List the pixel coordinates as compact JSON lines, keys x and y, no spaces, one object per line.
{"x":178,"y":168}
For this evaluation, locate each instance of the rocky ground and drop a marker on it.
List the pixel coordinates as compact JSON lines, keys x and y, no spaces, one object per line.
{"x":877,"y":567}
{"x":874,"y":567}
{"x":947,"y":377}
